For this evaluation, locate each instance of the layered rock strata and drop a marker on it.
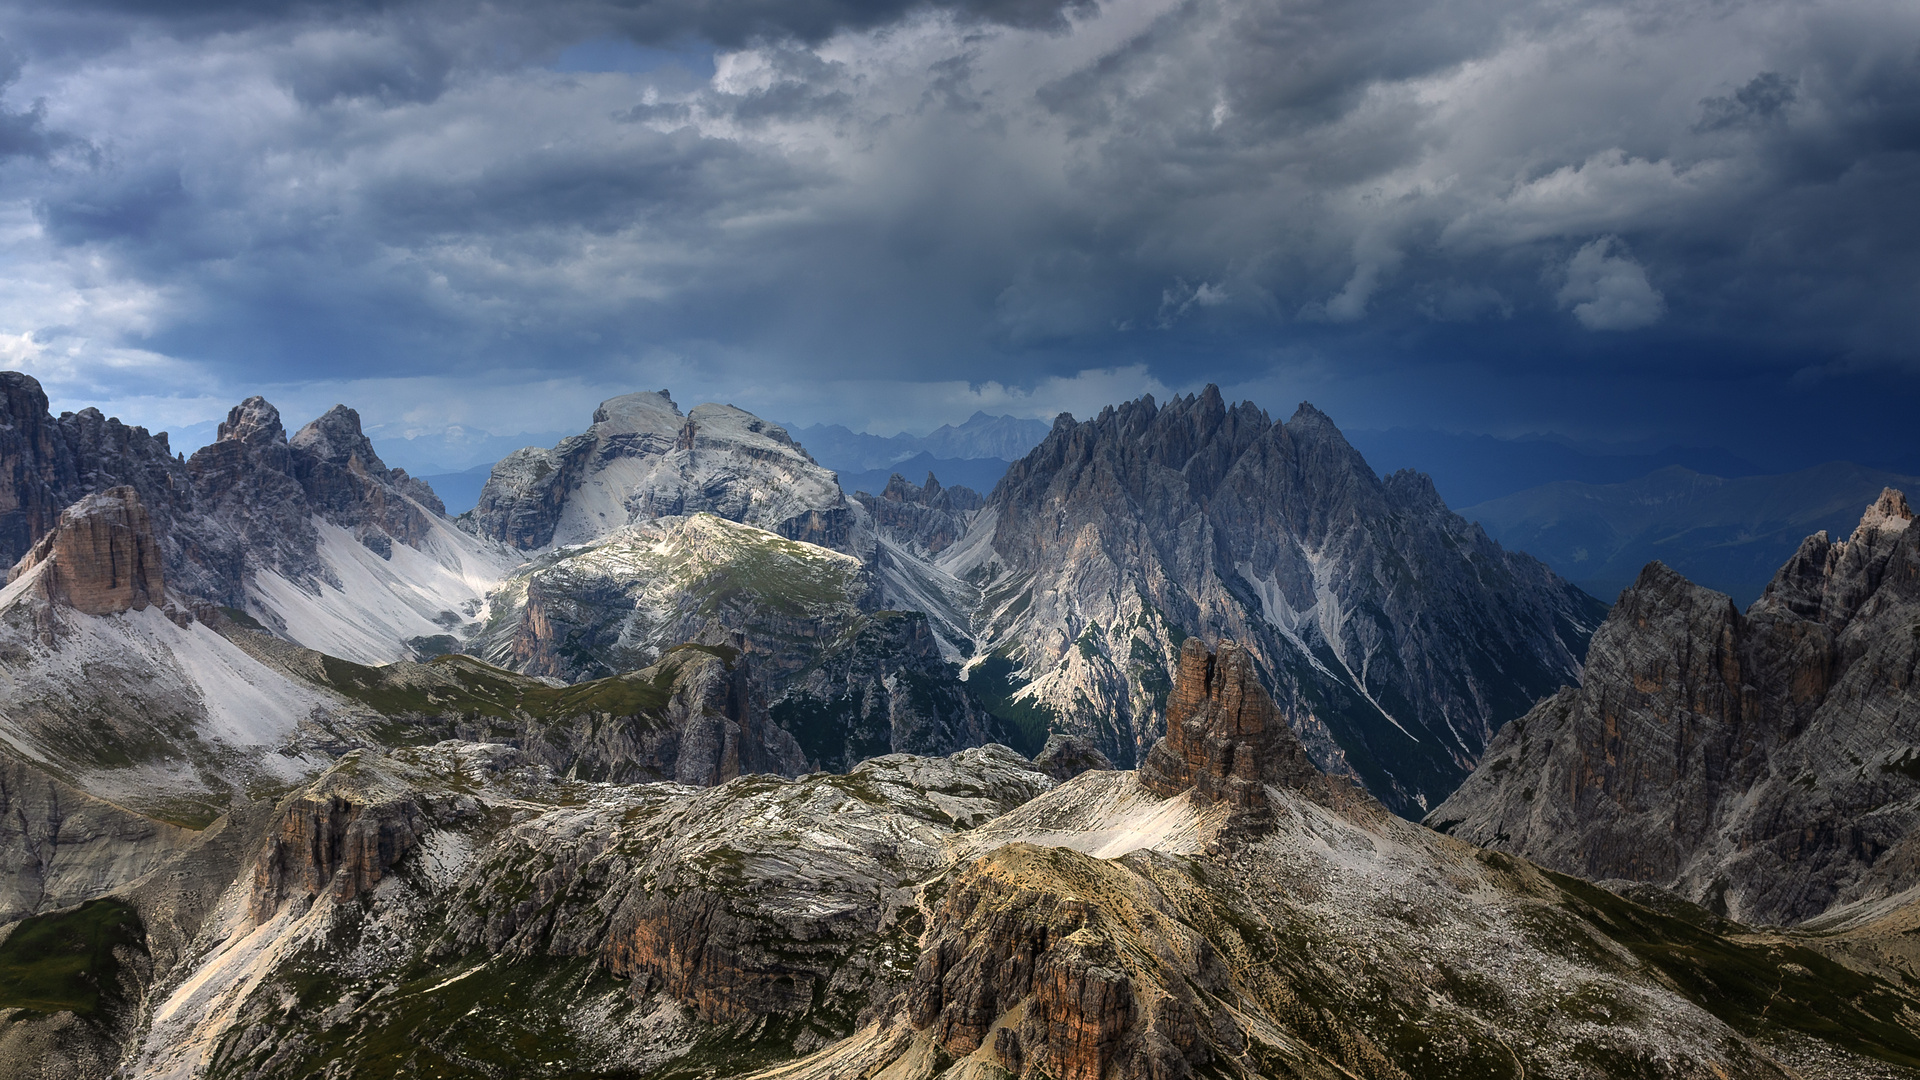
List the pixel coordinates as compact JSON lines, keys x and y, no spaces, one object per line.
{"x":336,"y":838}
{"x":1225,"y":740}
{"x":1760,"y":763}
{"x":101,"y":558}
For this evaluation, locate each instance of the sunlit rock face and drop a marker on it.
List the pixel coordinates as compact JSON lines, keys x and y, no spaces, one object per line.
{"x":1394,"y":636}
{"x":1226,"y":740}
{"x":1762,"y":763}
{"x":101,"y":557}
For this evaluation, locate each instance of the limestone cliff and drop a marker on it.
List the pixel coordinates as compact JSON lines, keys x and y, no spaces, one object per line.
{"x":339,"y":837}
{"x":1396,"y":637}
{"x":101,"y":557}
{"x":1225,"y":740}
{"x":1761,"y":763}
{"x":643,"y":459}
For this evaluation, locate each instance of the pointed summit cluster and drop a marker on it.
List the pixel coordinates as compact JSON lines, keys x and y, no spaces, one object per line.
{"x":1395,"y":634}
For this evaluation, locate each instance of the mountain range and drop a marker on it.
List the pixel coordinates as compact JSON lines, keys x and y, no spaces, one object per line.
{"x":1398,"y":635}
{"x":1727,"y":534}
{"x":1005,"y":438}
{"x":673,"y":757}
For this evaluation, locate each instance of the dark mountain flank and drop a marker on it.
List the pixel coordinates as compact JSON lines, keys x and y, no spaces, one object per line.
{"x":1396,"y":636}
{"x":1765,"y":764}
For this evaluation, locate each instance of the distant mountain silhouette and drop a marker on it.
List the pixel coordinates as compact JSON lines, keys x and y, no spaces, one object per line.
{"x":1470,"y":469}
{"x":1726,"y":534}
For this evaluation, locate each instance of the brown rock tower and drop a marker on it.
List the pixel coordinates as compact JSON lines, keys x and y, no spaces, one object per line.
{"x":102,"y":555}
{"x":1225,"y":737}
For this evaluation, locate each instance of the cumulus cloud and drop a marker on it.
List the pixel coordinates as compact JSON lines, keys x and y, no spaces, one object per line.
{"x":1608,"y":290}
{"x":893,"y":198}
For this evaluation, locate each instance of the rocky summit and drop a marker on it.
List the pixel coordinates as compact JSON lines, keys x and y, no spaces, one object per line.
{"x":101,"y":557}
{"x":1763,"y":764}
{"x":1396,"y":636}
{"x":644,"y":459}
{"x":1225,"y":740}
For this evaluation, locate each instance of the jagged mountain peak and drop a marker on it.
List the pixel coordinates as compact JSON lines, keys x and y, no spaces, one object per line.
{"x":1829,"y":580}
{"x":1889,"y":513}
{"x":1398,"y":634}
{"x":255,"y":422}
{"x":1307,"y":415}
{"x":335,"y":437}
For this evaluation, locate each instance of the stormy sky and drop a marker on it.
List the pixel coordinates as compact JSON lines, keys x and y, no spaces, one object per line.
{"x":1672,"y":221}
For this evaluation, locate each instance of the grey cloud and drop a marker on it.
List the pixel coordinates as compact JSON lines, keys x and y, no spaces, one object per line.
{"x":727,"y":23}
{"x":955,"y":199}
{"x":1607,"y":290}
{"x":24,"y":132}
{"x":390,"y":68}
{"x":1760,"y":100}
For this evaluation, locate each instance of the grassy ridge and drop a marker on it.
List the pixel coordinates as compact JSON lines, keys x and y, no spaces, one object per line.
{"x":64,"y":962}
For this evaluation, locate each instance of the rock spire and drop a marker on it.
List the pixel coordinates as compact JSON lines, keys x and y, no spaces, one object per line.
{"x":1225,"y":739}
{"x":101,"y":557}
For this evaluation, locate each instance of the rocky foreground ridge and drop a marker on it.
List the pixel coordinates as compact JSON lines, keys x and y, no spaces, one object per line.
{"x":459,"y":909}
{"x":1765,"y":764}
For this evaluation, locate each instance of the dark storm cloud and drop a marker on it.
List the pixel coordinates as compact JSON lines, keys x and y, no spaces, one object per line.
{"x":24,"y":132}
{"x":723,"y":22}
{"x":856,"y":195}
